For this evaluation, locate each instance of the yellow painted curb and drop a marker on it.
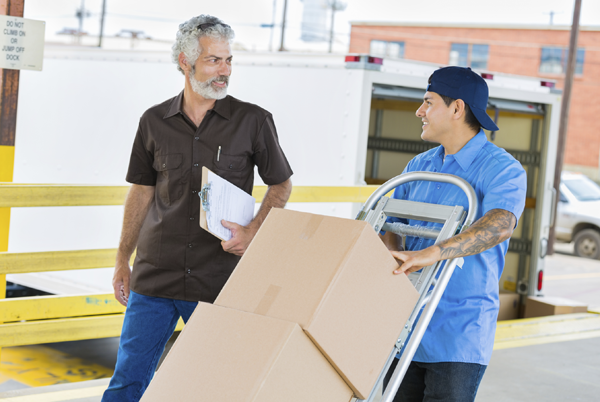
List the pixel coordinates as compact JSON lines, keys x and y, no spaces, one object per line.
{"x":541,"y":330}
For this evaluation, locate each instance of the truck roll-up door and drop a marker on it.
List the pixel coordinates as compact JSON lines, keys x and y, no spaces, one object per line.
{"x":416,"y":95}
{"x":397,"y":93}
{"x":516,"y":106}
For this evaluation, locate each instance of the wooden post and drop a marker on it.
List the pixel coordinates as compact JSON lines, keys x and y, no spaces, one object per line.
{"x":9,"y":93}
{"x":564,"y":116}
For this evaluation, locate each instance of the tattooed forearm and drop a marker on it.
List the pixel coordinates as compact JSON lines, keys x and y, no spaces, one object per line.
{"x":493,"y":228}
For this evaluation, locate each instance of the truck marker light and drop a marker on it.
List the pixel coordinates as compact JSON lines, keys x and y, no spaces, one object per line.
{"x":487,"y":76}
{"x":540,"y":280}
{"x":548,"y":84}
{"x":364,"y":58}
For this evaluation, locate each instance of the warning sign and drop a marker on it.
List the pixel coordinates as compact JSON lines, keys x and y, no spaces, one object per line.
{"x":22,"y":43}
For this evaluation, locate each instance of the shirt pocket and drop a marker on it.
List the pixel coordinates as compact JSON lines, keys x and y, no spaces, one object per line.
{"x":234,"y":163}
{"x":232,"y":168}
{"x":168,"y":178}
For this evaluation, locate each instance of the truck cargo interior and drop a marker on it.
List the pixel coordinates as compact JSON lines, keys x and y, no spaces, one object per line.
{"x":394,"y":139}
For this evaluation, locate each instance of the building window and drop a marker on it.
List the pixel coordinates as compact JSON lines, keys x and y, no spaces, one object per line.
{"x":459,"y":55}
{"x":554,"y":60}
{"x":393,"y":50}
{"x":469,"y":55}
{"x":479,"y":56}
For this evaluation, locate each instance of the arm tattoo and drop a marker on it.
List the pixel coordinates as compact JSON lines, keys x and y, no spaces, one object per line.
{"x":493,"y":228}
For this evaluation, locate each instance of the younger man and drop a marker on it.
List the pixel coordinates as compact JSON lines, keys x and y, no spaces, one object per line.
{"x":457,"y":346}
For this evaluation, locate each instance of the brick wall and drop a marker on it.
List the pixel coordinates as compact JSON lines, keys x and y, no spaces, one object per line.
{"x":513,"y":51}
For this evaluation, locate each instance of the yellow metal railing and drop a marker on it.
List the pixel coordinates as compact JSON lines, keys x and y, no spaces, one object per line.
{"x":44,"y":319}
{"x":47,"y":195}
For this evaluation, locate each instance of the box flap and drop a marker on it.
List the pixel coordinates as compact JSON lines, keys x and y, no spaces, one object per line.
{"x":363,"y":313}
{"x":557,"y":301}
{"x":301,"y":370}
{"x":293,"y":257}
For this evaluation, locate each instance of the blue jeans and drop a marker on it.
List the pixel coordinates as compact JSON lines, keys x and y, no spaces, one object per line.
{"x":429,"y":382}
{"x":149,"y":323}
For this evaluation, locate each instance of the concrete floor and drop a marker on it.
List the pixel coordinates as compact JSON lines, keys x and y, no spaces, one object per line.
{"x":564,"y":371}
{"x":572,"y":277}
{"x":554,"y":372}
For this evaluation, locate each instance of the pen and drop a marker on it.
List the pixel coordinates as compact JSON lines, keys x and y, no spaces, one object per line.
{"x":218,"y":153}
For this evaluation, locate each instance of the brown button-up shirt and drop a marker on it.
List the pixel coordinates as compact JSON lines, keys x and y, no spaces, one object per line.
{"x":175,"y":257}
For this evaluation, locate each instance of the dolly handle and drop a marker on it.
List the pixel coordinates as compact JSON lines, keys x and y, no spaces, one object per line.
{"x":423,"y":176}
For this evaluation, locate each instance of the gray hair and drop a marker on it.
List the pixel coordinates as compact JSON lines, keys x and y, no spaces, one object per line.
{"x":189,"y":34}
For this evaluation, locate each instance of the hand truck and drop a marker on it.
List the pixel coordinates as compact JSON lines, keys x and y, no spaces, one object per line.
{"x":429,"y":282}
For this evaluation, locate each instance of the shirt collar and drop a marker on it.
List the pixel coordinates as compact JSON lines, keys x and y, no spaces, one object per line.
{"x":175,"y":106}
{"x":437,"y":157}
{"x":468,"y":153}
{"x":222,"y":107}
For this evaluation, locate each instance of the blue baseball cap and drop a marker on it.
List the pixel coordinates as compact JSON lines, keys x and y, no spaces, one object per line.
{"x":463,"y":83}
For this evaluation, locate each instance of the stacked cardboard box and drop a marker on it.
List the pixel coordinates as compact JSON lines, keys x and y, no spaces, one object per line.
{"x":544,"y":306}
{"x":332,"y":277}
{"x":228,"y":355}
{"x":509,"y":306}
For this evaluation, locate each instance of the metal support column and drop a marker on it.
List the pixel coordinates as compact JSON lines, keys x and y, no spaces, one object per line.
{"x":527,"y":218}
{"x":378,"y":129}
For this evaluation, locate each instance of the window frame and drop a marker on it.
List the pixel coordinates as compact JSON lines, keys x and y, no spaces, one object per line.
{"x":564,"y":57}
{"x":469,"y":55}
{"x":386,"y":54}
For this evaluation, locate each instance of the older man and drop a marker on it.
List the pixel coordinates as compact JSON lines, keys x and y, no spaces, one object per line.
{"x":177,"y":263}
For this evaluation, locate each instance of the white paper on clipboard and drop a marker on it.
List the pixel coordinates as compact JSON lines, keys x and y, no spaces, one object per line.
{"x":219,"y":199}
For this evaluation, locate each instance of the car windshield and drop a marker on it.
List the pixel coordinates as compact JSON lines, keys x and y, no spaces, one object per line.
{"x":583,"y":189}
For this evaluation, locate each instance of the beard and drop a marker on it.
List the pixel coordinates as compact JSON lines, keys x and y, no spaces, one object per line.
{"x":206,"y":90}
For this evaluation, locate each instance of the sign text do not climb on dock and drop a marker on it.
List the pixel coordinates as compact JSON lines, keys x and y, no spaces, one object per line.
{"x":21,"y":43}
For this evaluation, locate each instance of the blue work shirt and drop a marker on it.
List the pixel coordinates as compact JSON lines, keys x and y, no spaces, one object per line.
{"x":463,"y":326}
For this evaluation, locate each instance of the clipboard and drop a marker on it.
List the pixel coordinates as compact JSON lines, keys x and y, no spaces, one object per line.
{"x":220,"y":199}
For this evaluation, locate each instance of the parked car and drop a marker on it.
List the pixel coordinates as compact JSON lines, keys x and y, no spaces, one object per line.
{"x":578,"y":214}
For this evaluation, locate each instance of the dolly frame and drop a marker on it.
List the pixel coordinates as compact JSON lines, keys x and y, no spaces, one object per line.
{"x":455,"y":220}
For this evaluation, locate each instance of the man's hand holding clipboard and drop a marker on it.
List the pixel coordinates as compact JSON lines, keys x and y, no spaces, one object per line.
{"x":226,"y":211}
{"x":241,"y":236}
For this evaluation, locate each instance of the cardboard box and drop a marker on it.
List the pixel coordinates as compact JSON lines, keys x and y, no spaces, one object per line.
{"x":544,"y":306}
{"x":509,"y":306}
{"x":333,"y":277}
{"x":228,"y":355}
